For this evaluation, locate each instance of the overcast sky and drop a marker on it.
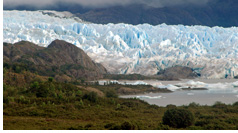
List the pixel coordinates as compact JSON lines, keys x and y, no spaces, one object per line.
{"x":101,"y":3}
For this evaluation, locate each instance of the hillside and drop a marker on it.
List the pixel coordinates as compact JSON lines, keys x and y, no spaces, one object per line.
{"x":59,"y":59}
{"x":178,"y":72}
{"x":214,"y":13}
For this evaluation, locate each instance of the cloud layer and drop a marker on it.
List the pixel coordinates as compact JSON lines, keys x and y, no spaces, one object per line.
{"x":101,"y":3}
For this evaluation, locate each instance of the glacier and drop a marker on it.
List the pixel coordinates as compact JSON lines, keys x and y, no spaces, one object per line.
{"x":126,"y":49}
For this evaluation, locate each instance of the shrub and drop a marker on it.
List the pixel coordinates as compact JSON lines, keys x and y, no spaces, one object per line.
{"x":124,"y":126}
{"x":162,"y":127}
{"x":50,"y":79}
{"x":43,"y":91}
{"x":111,"y":93}
{"x":22,"y":99}
{"x":235,"y":104}
{"x":115,"y":127}
{"x":171,"y":106}
{"x":217,"y":126}
{"x":232,"y":121}
{"x":195,"y":128}
{"x":109,"y":125}
{"x":76,"y":128}
{"x":17,"y":69}
{"x":193,"y":104}
{"x":219,"y":105}
{"x":92,"y":96}
{"x":202,"y":123}
{"x":178,"y":118}
{"x":130,"y":104}
{"x":4,"y":87}
{"x":34,"y":86}
{"x":10,"y":100}
{"x":88,"y":126}
{"x":127,"y":126}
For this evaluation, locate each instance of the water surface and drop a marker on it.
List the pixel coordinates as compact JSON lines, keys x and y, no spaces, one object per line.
{"x":223,"y":90}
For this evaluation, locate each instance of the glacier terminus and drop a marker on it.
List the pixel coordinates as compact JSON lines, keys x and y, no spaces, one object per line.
{"x":125,"y":49}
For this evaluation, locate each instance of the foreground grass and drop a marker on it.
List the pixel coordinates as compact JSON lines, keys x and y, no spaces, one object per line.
{"x":140,"y":115}
{"x":112,"y":112}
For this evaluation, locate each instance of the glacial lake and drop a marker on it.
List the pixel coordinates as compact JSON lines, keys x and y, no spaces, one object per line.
{"x":223,"y":90}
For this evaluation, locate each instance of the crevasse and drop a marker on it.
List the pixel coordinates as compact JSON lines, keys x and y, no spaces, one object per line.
{"x":143,"y":49}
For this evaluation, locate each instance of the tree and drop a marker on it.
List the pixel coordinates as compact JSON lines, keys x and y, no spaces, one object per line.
{"x":40,"y":89}
{"x":111,"y":93}
{"x":34,"y":86}
{"x":178,"y":118}
{"x":43,"y":91}
{"x":91,"y":96}
{"x":50,"y":79}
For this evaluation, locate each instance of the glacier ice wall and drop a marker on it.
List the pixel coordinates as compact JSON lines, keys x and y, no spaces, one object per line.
{"x":125,"y":48}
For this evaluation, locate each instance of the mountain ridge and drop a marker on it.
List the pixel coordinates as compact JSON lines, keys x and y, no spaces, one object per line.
{"x":214,"y":13}
{"x":59,"y":58}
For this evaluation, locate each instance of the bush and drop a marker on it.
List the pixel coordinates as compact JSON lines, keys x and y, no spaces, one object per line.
{"x":34,"y":86}
{"x":178,"y":118}
{"x":162,"y":127}
{"x":109,"y":125}
{"x":202,"y":123}
{"x":219,"y":105}
{"x":115,"y":127}
{"x":235,"y":104}
{"x":124,"y":126}
{"x":92,"y":96}
{"x":43,"y":91}
{"x":127,"y":126}
{"x":50,"y":79}
{"x":111,"y":93}
{"x":88,"y":126}
{"x":170,"y":106}
{"x":193,"y":104}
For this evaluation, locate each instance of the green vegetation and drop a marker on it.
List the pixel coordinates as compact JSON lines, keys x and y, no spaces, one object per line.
{"x":36,"y":102}
{"x":178,"y":118}
{"x":111,"y":90}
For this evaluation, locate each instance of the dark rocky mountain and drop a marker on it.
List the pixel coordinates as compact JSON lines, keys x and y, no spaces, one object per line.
{"x":59,"y":59}
{"x":178,"y":72}
{"x":214,"y":13}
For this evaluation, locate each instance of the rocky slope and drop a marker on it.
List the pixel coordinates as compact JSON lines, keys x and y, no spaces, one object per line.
{"x":178,"y":72}
{"x":60,"y":58}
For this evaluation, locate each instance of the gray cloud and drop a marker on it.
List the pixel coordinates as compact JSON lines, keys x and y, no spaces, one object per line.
{"x":101,"y":3}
